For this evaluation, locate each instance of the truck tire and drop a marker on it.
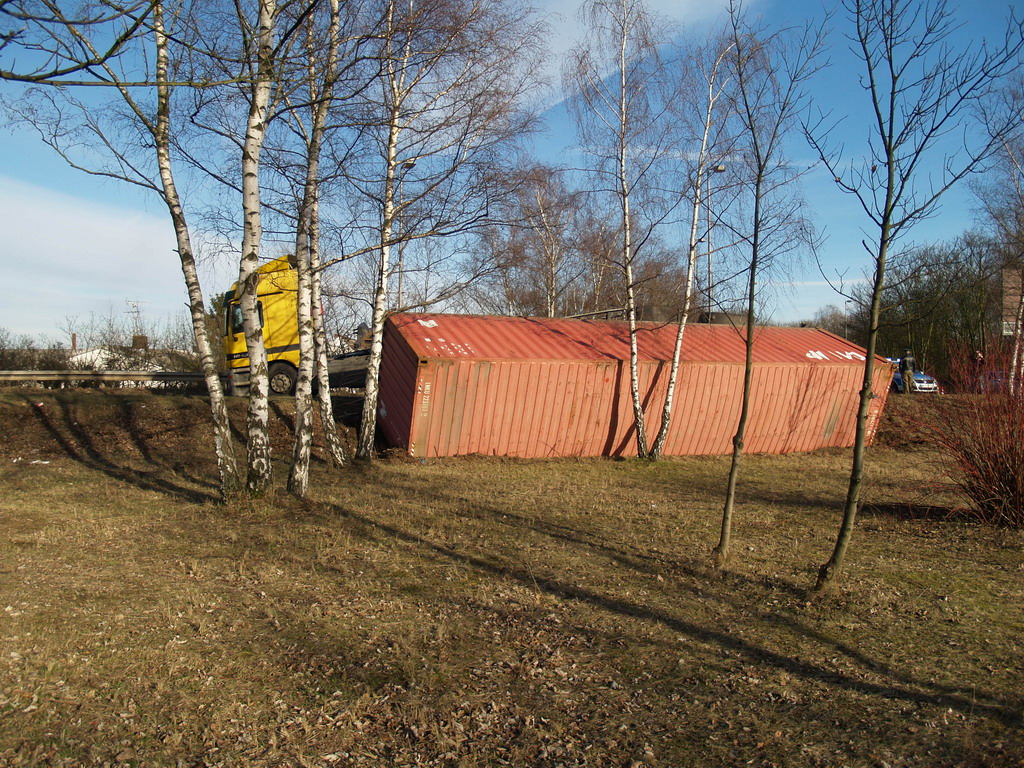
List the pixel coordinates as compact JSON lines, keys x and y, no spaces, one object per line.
{"x":282,"y":379}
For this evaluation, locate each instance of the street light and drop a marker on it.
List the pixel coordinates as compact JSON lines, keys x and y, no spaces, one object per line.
{"x":407,"y":166}
{"x":846,"y":319}
{"x":720,"y":168}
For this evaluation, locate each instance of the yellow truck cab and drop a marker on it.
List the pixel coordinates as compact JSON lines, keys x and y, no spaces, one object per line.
{"x":276,"y":295}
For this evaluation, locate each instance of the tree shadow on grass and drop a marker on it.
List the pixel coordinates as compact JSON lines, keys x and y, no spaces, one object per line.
{"x":79,"y":445}
{"x":143,"y":444}
{"x":650,"y":560}
{"x":911,"y":511}
{"x":902,"y":687}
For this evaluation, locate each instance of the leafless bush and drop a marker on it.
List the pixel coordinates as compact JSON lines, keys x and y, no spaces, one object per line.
{"x":131,"y":342}
{"x":980,"y":435}
{"x":23,"y":353}
{"x":106,"y":343}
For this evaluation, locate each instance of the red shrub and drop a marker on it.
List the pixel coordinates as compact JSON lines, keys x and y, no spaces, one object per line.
{"x":980,"y":436}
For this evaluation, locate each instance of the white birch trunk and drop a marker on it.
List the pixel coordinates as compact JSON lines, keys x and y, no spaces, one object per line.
{"x":368,"y":427}
{"x":627,"y":255}
{"x":298,"y":478}
{"x":1017,"y":363}
{"x":395,"y":85}
{"x":335,"y":446}
{"x":368,"y":424}
{"x":260,"y":469}
{"x":666,"y":414}
{"x":227,"y":464}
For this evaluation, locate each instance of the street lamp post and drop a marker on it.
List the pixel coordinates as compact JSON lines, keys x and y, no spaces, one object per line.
{"x":407,"y":166}
{"x":720,"y":168}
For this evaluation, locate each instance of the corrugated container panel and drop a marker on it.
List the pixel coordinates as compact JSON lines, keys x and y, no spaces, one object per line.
{"x":593,"y":405}
{"x":398,"y":382}
{"x":529,"y":387}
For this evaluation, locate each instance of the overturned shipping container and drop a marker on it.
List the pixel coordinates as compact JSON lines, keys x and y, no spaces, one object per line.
{"x":532,"y":387}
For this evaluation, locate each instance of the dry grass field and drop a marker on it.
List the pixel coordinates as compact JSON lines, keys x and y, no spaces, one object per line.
{"x":487,"y":612}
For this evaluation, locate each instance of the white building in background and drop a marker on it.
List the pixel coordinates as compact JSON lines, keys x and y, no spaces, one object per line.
{"x":1012,"y":298}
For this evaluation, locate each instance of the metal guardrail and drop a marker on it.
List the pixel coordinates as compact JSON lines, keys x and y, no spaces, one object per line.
{"x":96,"y":375}
{"x":136,"y":376}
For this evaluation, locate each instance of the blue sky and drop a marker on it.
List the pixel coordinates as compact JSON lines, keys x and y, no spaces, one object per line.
{"x":76,"y":245}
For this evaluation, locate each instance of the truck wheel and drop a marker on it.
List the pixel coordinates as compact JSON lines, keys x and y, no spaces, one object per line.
{"x":282,"y":379}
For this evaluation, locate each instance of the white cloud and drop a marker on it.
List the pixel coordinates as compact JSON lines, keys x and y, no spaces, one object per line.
{"x":566,"y":30}
{"x":563,"y":17}
{"x":64,"y":256}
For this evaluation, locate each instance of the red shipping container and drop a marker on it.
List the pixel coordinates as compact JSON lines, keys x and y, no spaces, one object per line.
{"x":535,"y":387}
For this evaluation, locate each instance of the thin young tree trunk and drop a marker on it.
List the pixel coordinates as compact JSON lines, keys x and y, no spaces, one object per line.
{"x":827,"y":573}
{"x":260,"y":469}
{"x":725,"y":536}
{"x":768,"y":93}
{"x":227,"y":465}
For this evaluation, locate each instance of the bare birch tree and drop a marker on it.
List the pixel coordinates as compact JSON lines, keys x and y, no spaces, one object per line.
{"x":141,"y":156}
{"x":547,"y":209}
{"x":615,"y":80}
{"x":260,"y":87}
{"x":249,"y":47}
{"x":322,"y":77}
{"x":533,"y":245}
{"x":230,"y":478}
{"x":920,"y":92}
{"x":446,"y":111}
{"x":708,"y":100}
